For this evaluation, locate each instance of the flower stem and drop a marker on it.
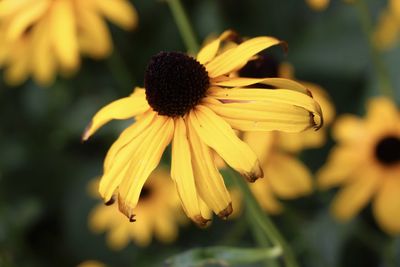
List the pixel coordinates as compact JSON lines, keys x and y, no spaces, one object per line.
{"x":386,"y":86}
{"x":184,"y":26}
{"x":259,"y":219}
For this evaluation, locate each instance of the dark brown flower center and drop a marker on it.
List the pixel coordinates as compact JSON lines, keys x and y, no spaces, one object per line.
{"x":145,"y":193}
{"x":387,"y":150}
{"x":175,"y":83}
{"x":264,"y":65}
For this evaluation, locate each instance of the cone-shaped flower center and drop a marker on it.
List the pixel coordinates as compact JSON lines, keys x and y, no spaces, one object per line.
{"x":387,"y":150}
{"x":145,"y":193}
{"x":175,"y":83}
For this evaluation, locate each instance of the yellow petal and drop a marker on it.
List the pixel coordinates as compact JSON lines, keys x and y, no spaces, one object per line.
{"x":386,"y":206}
{"x":232,"y":58}
{"x":120,"y":12}
{"x":10,"y":7}
{"x":128,"y":135}
{"x":349,"y":129}
{"x":276,"y":82}
{"x":262,"y":116}
{"x":209,"y":181}
{"x":355,"y":195}
{"x":94,"y":39}
{"x":182,"y":173}
{"x":209,"y":51}
{"x":289,"y":178}
{"x":63,"y":34}
{"x":218,"y":135}
{"x":19,"y":65}
{"x":25,"y":18}
{"x":261,"y":143}
{"x":263,"y":192}
{"x":144,"y":160}
{"x":120,"y":109}
{"x":281,"y":98}
{"x":44,"y":65}
{"x":342,"y":163}
{"x":381,"y":113}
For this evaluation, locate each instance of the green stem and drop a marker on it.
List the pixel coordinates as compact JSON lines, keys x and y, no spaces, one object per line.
{"x":386,"y":86}
{"x":262,"y":221}
{"x":184,"y":26}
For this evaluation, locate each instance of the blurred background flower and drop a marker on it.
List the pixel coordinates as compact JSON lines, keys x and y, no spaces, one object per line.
{"x":44,"y":37}
{"x":158,"y":214}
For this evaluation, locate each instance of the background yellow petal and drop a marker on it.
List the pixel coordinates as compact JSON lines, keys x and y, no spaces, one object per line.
{"x":355,"y":195}
{"x":64,"y":34}
{"x":120,"y":12}
{"x":386,"y":205}
{"x":289,"y":178}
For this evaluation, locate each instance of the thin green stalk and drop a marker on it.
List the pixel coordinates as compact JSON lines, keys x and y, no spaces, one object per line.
{"x":264,"y":222}
{"x":386,"y":86}
{"x":184,"y":26}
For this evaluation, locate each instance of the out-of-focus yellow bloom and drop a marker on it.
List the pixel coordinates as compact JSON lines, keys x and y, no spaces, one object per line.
{"x":43,"y":37}
{"x":284,"y":175}
{"x":158,"y":213}
{"x":91,"y":263}
{"x":387,"y":30}
{"x":366,"y":164}
{"x":197,"y":104}
{"x":318,"y":5}
{"x":296,"y":142}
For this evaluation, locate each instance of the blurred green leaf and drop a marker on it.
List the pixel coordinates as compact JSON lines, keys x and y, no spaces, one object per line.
{"x":224,"y":256}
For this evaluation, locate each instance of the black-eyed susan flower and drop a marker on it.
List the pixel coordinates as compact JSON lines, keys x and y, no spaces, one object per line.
{"x":43,"y":37}
{"x":286,"y":177}
{"x":159,"y":212}
{"x":366,"y":165}
{"x":387,"y":30}
{"x":196,"y":104}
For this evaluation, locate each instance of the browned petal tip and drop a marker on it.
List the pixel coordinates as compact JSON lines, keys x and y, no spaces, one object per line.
{"x":85,"y":134}
{"x":110,"y":201}
{"x":126,"y":209}
{"x":284,"y":45}
{"x":226,"y":212}
{"x":316,"y":122}
{"x":256,"y":173}
{"x":200,"y":220}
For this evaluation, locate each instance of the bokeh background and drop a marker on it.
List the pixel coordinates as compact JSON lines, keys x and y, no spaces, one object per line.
{"x":45,"y":168}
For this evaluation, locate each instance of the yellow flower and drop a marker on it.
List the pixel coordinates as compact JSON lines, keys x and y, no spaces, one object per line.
{"x":159,"y":214}
{"x":285,"y":176}
{"x":91,"y":263}
{"x":366,"y":164}
{"x":42,"y":37}
{"x":196,"y":105}
{"x":387,"y":30}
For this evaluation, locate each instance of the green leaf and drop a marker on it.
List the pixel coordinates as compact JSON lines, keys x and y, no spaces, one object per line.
{"x":224,"y":256}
